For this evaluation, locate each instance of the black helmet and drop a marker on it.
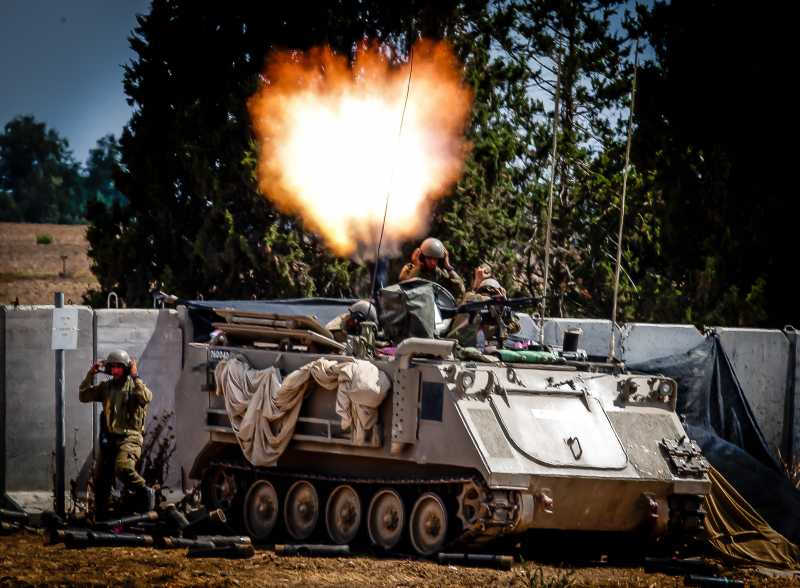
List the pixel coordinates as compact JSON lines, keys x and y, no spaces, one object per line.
{"x":363,"y":310}
{"x":119,"y":356}
{"x":432,"y":247}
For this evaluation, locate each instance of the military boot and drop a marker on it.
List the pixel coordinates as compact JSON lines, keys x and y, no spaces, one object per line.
{"x":147,"y":499}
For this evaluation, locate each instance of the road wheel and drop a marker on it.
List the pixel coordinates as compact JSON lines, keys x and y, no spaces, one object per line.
{"x":343,"y":514}
{"x":428,"y":524}
{"x":301,"y":509}
{"x":260,"y":511}
{"x":219,"y":488}
{"x":385,"y":518}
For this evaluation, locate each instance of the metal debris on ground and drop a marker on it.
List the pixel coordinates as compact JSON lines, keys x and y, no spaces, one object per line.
{"x":125,"y":521}
{"x":13,"y":516}
{"x":696,"y":580}
{"x":170,"y":526}
{"x":310,"y":550}
{"x":233,"y":551}
{"x":83,"y":539}
{"x":482,"y":560}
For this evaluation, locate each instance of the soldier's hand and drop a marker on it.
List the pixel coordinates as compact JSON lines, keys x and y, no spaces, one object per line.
{"x":97,"y":367}
{"x":481,"y":273}
{"x":415,"y":257}
{"x":134,"y":369}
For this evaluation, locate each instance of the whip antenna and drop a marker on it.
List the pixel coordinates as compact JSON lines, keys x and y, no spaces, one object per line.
{"x":612,"y":342}
{"x":391,"y":176}
{"x":550,"y":197}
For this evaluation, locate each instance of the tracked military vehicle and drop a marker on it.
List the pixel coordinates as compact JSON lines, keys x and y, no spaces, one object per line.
{"x":463,"y":451}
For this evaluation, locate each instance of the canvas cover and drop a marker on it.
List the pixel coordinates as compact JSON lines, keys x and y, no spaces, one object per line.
{"x":408,"y":309}
{"x":263,"y":408}
{"x":739,"y":533}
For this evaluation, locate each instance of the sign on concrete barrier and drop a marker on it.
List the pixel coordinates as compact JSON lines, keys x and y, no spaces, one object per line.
{"x":65,"y":328}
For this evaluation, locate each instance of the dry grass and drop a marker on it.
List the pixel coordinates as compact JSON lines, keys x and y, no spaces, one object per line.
{"x":26,"y":561}
{"x":31,"y":272}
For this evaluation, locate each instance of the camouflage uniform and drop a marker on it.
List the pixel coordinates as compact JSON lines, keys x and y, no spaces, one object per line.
{"x":447,"y":278}
{"x":122,"y":429}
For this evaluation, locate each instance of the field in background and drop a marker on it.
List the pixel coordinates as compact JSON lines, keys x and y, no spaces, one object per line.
{"x":30,"y":271}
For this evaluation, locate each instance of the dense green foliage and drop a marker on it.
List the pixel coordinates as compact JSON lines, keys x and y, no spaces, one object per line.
{"x":712,"y":128}
{"x":40,"y":182}
{"x":694,"y":247}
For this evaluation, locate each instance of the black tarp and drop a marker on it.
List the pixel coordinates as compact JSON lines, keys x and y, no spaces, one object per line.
{"x":718,"y":416}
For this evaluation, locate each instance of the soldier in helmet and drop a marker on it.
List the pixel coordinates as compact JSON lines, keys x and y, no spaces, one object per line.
{"x":350,"y":328}
{"x":125,"y":398}
{"x":349,"y":322}
{"x":469,"y":330}
{"x":425,"y":264}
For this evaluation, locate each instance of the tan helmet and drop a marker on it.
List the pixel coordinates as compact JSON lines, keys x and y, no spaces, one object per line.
{"x":491,"y":286}
{"x":432,"y":247}
{"x":119,"y":356}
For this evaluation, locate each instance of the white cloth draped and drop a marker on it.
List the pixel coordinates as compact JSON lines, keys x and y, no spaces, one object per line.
{"x":263,"y":410}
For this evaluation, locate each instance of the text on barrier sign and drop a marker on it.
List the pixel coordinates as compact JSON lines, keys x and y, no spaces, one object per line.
{"x":65,"y":328}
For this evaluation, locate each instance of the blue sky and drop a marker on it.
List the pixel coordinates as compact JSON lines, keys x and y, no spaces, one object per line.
{"x":61,"y":61}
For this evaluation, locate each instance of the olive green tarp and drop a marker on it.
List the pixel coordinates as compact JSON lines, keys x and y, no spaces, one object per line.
{"x":739,"y":533}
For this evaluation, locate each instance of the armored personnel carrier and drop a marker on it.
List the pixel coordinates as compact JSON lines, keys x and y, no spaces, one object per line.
{"x":462,"y":451}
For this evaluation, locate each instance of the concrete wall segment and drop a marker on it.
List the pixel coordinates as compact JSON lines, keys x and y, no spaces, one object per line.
{"x":595,"y":338}
{"x":30,"y":398}
{"x":760,"y":359}
{"x":645,"y":341}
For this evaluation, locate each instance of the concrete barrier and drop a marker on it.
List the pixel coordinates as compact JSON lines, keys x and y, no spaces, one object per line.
{"x":761,"y":359}
{"x":28,"y":374}
{"x":595,"y":338}
{"x":644,"y":341}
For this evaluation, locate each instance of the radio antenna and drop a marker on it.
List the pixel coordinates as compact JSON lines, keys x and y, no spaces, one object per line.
{"x":391,"y":176}
{"x":550,"y":197}
{"x":612,"y":342}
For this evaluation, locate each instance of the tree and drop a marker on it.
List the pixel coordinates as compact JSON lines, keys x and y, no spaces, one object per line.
{"x":101,"y":167}
{"x":39,"y":180}
{"x":712,"y":125}
{"x":516,"y":57}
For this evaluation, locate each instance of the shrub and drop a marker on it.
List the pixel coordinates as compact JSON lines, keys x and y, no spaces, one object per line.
{"x":44,"y":239}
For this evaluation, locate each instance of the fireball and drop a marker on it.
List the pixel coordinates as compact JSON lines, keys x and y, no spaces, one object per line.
{"x":342,"y":142}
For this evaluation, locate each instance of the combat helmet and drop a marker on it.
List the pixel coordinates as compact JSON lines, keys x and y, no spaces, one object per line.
{"x":432,"y":247}
{"x":119,"y":356}
{"x":363,"y":310}
{"x":491,"y":287}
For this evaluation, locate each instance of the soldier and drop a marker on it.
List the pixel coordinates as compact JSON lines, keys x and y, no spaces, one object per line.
{"x":470,"y":331}
{"x":125,"y":398}
{"x":425,"y":264}
{"x":349,"y":322}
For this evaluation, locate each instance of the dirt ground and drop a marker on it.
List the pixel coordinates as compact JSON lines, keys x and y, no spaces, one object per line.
{"x":30,"y":272}
{"x":26,"y":561}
